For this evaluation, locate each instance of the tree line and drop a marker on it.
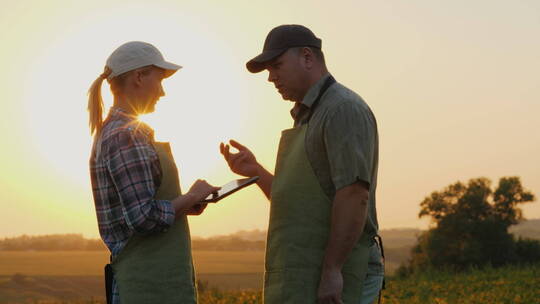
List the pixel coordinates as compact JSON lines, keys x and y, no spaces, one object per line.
{"x":73,"y":242}
{"x":51,"y":242}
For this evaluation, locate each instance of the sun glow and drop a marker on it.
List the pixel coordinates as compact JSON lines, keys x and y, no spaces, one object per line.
{"x":205,"y":103}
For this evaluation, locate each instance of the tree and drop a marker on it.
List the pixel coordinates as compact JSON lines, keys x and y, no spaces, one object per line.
{"x":470,"y":224}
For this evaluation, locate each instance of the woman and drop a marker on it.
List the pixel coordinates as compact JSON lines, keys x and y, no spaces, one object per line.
{"x":140,"y":210}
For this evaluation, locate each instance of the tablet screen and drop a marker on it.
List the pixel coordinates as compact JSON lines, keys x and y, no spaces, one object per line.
{"x":230,"y":188}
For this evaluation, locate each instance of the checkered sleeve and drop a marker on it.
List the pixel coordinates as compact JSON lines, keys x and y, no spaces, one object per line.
{"x":136,"y":172}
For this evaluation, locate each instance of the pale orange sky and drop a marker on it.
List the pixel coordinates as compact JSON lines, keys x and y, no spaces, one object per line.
{"x":454,"y":86}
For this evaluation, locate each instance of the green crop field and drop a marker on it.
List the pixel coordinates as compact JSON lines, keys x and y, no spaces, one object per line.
{"x":507,"y":285}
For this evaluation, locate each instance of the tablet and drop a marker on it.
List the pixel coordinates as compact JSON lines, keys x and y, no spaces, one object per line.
{"x":230,"y":188}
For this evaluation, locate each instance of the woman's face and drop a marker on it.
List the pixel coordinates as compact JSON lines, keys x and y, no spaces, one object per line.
{"x":150,"y":89}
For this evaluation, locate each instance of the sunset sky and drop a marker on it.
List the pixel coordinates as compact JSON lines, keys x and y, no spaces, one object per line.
{"x":455,"y":87}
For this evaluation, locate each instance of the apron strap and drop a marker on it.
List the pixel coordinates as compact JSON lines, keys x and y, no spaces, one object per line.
{"x":378,"y":240}
{"x":329,"y":81}
{"x":108,"y":283}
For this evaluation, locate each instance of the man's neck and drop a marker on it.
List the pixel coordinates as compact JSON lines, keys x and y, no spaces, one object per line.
{"x":317,"y":74}
{"x":313,"y":78}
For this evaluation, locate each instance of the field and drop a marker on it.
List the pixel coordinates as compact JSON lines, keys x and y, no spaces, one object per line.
{"x":75,"y":277}
{"x":50,"y":275}
{"x":508,"y":285}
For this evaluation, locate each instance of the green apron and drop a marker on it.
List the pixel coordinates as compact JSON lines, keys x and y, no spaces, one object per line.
{"x":300,"y":220}
{"x":158,"y":268}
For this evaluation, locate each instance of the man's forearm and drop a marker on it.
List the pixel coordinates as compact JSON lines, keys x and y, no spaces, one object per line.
{"x":265,"y":180}
{"x":349,"y":212}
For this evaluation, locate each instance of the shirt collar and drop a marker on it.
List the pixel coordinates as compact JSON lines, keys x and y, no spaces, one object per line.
{"x":132,"y":121}
{"x":300,"y":109}
{"x":116,"y":112}
{"x":296,"y":111}
{"x":313,"y":92}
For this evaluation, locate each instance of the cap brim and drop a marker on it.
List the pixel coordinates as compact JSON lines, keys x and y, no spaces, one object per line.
{"x":258,"y":63}
{"x":170,"y":68}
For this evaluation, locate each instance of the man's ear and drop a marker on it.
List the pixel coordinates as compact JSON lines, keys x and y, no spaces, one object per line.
{"x":307,"y":57}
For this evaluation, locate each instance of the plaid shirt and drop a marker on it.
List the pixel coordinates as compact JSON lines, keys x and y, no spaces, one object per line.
{"x":125,"y":173}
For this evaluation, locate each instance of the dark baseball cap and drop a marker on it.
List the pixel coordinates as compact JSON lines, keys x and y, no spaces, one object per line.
{"x":279,"y":40}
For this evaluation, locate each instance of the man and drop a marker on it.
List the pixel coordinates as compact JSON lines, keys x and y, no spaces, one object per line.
{"x":322,"y":215}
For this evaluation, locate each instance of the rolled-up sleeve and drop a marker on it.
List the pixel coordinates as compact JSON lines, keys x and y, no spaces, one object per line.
{"x":350,"y":139}
{"x":135,"y":171}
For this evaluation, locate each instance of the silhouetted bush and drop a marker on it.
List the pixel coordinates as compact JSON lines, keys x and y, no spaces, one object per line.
{"x":527,"y":250}
{"x":471,"y":227}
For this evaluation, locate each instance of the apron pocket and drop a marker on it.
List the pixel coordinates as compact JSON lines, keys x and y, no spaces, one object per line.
{"x":291,"y":286}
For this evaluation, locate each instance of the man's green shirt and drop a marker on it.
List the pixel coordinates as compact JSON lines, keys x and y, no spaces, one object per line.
{"x":342,"y":142}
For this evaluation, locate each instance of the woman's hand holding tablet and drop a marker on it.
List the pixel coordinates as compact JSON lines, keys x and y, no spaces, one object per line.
{"x":230,"y":188}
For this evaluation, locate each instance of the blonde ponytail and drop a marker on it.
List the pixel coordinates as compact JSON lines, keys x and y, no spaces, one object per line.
{"x":95,"y":103}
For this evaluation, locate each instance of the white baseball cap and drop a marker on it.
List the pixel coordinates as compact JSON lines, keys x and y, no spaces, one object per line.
{"x":137,"y":54}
